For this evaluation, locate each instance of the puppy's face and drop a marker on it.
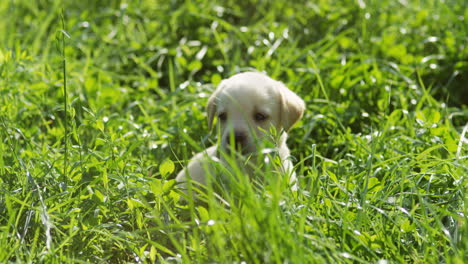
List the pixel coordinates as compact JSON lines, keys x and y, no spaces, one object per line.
{"x":247,"y":106}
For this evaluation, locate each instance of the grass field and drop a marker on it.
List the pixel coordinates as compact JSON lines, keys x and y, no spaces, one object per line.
{"x":103,"y":102}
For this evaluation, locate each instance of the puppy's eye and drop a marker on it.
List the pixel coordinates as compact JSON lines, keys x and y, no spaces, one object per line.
{"x":222,"y":116}
{"x":260,"y":117}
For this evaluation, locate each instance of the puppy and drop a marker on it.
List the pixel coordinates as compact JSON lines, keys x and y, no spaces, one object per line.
{"x":248,"y":107}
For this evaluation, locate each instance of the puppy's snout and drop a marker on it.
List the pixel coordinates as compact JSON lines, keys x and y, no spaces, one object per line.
{"x":240,"y":138}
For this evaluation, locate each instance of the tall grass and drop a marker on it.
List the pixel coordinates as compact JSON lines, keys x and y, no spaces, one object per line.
{"x":65,"y":92}
{"x":92,"y":134}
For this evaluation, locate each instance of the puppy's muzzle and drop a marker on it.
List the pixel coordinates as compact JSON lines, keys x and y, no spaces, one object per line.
{"x":239,"y":141}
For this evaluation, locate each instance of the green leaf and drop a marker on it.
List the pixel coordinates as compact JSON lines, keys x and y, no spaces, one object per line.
{"x":166,"y":168}
{"x":195,"y":65}
{"x":215,"y":79}
{"x":204,"y":216}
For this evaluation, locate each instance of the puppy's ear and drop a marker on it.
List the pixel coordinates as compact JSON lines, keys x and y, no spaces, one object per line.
{"x":292,"y":107}
{"x":211,"y":106}
{"x":211,"y":110}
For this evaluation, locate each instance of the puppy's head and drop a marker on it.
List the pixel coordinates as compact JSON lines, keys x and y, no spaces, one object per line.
{"x":248,"y":105}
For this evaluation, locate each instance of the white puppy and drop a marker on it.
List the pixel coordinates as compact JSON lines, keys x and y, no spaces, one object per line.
{"x":248,"y":106}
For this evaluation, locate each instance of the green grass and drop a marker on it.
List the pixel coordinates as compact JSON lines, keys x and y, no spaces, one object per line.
{"x":381,"y":153}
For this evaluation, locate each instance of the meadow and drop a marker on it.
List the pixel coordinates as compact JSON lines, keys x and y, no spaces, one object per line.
{"x":103,"y":102}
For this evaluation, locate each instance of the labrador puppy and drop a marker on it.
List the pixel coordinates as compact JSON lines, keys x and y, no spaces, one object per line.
{"x":248,"y":107}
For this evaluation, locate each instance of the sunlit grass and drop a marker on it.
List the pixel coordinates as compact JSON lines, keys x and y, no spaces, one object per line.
{"x":381,"y":153}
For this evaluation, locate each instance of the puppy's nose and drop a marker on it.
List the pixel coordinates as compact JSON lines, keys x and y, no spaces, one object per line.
{"x":240,"y":138}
